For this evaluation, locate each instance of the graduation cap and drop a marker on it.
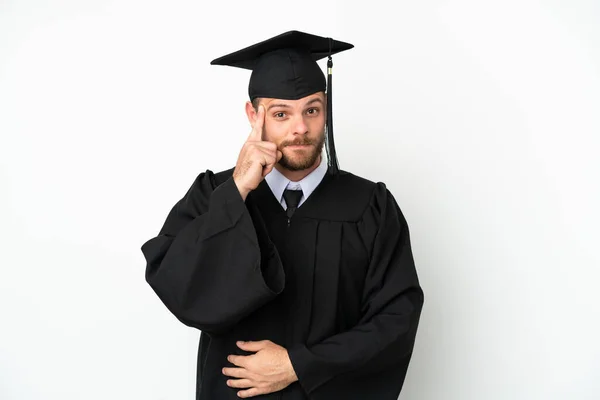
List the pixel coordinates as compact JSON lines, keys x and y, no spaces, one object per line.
{"x":285,"y":67}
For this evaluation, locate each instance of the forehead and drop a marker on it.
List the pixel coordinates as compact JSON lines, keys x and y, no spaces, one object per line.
{"x":313,"y":98}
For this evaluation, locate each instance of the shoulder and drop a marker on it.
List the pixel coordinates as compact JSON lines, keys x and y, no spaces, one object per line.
{"x":205,"y":183}
{"x":361,"y":189}
{"x":209,"y":180}
{"x":347,"y":178}
{"x":373,"y":201}
{"x":350,"y":196}
{"x":222,"y":176}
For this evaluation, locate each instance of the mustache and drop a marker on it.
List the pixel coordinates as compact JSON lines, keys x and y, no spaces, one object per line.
{"x":299,"y":142}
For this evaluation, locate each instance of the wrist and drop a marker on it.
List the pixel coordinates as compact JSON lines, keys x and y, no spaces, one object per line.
{"x":243,"y":191}
{"x":291,"y":372}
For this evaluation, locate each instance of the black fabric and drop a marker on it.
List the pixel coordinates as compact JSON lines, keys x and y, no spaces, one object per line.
{"x":318,"y":46}
{"x":335,"y":285}
{"x":292,"y":199}
{"x":284,"y":66}
{"x":288,"y":74}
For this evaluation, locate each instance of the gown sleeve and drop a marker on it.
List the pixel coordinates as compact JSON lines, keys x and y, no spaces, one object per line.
{"x":382,"y":341}
{"x":208,"y":264}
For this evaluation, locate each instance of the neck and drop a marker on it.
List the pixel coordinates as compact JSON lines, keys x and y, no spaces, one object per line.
{"x":296,"y":176}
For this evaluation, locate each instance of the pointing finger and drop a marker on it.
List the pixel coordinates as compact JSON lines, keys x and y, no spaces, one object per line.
{"x":257,"y":128}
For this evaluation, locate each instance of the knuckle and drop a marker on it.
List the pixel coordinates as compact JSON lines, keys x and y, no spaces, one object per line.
{"x":255,"y":377}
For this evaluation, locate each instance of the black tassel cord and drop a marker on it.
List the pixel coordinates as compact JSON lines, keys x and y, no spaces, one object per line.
{"x":330,"y":145}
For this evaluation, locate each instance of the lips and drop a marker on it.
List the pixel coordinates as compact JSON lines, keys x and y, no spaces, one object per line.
{"x":301,"y":144}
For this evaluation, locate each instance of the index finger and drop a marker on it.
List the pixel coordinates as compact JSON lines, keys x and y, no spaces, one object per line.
{"x":257,"y":128}
{"x":239,"y":361}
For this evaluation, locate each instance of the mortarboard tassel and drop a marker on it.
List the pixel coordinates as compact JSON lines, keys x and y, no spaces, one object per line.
{"x":330,"y":145}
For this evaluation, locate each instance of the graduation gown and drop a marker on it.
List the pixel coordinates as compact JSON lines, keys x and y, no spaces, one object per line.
{"x":335,"y":284}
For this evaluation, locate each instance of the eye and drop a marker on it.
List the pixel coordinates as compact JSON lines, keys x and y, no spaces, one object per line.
{"x":312,"y":111}
{"x":279,"y":115}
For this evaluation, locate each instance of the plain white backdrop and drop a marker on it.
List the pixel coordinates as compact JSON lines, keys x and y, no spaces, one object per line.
{"x":481,"y":117}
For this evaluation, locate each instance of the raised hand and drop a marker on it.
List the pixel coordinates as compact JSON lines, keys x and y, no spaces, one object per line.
{"x":257,"y":158}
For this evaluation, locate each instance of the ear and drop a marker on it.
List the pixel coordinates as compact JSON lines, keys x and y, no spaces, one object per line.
{"x":250,"y":112}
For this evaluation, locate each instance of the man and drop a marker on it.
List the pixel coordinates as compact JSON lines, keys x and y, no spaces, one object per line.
{"x":299,"y":275}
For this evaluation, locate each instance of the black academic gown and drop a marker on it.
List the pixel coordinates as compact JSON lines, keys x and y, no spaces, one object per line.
{"x":335,"y":285}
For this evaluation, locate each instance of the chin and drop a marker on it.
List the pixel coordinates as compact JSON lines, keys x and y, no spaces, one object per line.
{"x":298,"y":162}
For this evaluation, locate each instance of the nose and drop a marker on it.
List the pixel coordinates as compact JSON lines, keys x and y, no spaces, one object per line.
{"x":300,"y":125}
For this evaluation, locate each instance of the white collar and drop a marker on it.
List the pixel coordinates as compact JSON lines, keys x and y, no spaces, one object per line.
{"x":278,"y":182}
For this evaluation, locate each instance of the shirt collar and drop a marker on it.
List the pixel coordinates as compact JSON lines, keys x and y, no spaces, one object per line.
{"x":278,"y":182}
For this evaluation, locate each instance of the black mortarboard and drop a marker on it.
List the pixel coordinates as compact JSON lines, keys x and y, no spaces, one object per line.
{"x":285,"y":67}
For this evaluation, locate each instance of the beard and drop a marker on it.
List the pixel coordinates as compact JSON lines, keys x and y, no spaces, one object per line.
{"x":298,"y":161}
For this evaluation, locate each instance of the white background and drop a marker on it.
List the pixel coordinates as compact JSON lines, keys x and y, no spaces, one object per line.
{"x":481,"y":117}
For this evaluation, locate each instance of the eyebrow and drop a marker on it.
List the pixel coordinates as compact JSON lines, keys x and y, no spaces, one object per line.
{"x":282,"y":105}
{"x":315,"y":100}
{"x":279,"y":105}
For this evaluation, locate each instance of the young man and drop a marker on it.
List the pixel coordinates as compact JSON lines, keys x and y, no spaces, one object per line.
{"x":299,"y":275}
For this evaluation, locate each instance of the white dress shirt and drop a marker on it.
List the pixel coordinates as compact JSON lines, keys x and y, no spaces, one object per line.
{"x":279,"y":183}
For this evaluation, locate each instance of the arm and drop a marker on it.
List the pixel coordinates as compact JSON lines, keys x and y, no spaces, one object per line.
{"x":383,"y":339}
{"x":207,"y":265}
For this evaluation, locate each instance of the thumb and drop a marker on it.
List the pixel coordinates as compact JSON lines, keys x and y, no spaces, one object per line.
{"x":252,"y":346}
{"x":268,"y":170}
